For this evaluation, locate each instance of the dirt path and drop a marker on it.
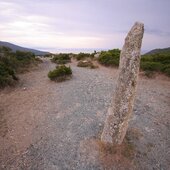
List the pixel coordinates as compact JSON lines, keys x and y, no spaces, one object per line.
{"x":48,"y":125}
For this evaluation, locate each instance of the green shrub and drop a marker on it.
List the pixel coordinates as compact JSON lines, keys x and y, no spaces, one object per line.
{"x":151,"y":66}
{"x":7,"y":75}
{"x":12,"y":63}
{"x":166,"y":69}
{"x":48,"y":55}
{"x":156,"y":62}
{"x":92,"y":55}
{"x":62,"y":61}
{"x":167,"y":72}
{"x":4,"y":81}
{"x":161,"y":58}
{"x":110,"y":58}
{"x":60,"y":73}
{"x":61,"y":58}
{"x":82,"y":56}
{"x":39,"y":60}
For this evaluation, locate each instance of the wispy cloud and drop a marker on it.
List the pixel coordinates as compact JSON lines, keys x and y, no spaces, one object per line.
{"x":158,"y":32}
{"x":82,"y":24}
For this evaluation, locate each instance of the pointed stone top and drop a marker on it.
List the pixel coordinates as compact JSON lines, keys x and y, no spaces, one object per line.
{"x":139,"y":23}
{"x":137,"y":27}
{"x":134,"y":38}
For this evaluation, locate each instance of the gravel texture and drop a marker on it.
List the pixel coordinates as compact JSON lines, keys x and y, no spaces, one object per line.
{"x":54,"y":126}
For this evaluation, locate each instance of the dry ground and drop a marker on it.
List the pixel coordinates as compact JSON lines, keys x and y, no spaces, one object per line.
{"x":48,"y":125}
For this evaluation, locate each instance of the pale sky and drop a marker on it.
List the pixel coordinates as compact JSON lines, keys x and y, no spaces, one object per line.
{"x":54,"y":24}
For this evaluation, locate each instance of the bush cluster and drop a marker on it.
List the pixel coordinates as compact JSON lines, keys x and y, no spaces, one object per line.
{"x":159,"y":62}
{"x":61,"y":73}
{"x":61,"y":58}
{"x":156,"y":63}
{"x":7,"y":75}
{"x":49,"y":55}
{"x":86,"y":63}
{"x":110,"y":58}
{"x":12,"y":63}
{"x":82,"y":56}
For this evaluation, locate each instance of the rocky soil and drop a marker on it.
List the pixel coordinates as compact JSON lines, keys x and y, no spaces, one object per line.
{"x":57,"y":126}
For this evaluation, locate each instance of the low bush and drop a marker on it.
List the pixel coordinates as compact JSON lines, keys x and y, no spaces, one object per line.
{"x":167,"y":71}
{"x":61,"y":58}
{"x":161,"y":58}
{"x":156,"y":63}
{"x":49,"y":55}
{"x":6,"y":75}
{"x":82,"y":56}
{"x":12,"y":63}
{"x":86,"y":64}
{"x":151,"y":66}
{"x":61,"y":73}
{"x":109,"y":58}
{"x":39,"y":60}
{"x":159,"y":62}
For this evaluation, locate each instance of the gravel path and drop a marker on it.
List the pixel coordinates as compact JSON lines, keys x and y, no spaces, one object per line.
{"x":48,"y":125}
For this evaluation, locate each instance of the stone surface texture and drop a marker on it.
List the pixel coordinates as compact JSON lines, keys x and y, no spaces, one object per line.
{"x":118,"y":116}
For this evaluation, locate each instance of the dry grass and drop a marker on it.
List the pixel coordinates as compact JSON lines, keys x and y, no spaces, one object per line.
{"x":117,"y":155}
{"x":120,"y":156}
{"x":86,"y":63}
{"x":110,"y":156}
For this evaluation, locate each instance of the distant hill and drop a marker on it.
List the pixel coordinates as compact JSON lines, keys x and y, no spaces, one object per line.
{"x":16,"y":47}
{"x":159,"y":50}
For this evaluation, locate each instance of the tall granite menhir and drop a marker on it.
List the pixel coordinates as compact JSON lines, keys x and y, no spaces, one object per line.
{"x":118,"y":116}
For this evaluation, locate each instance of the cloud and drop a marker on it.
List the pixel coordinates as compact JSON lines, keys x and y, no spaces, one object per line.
{"x":157,"y":32}
{"x":8,"y":12}
{"x":82,"y":24}
{"x":34,"y":29}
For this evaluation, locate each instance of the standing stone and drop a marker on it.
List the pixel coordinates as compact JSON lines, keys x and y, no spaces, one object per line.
{"x":118,"y":116}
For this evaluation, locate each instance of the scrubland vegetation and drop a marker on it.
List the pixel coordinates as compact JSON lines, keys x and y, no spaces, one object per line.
{"x":86,"y":63}
{"x":61,"y":58}
{"x":49,"y":55}
{"x":110,"y":58}
{"x":82,"y":56}
{"x":159,"y":62}
{"x":61,"y":73}
{"x":150,"y":63}
{"x":156,"y":63}
{"x":12,"y":63}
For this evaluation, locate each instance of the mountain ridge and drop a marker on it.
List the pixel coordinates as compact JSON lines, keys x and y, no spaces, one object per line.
{"x":15,"y":47}
{"x":158,"y":50}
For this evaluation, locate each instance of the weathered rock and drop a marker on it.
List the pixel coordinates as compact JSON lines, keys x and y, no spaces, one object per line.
{"x":116,"y":123}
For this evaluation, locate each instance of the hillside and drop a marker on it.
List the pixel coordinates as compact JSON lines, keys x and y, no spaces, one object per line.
{"x":159,"y":50}
{"x":19,"y":48}
{"x":157,"y":60}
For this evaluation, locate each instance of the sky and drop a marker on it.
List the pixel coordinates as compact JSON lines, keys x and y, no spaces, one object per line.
{"x":51,"y":25}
